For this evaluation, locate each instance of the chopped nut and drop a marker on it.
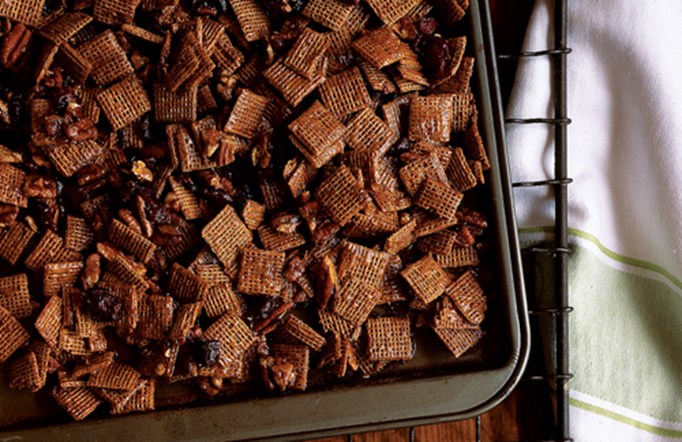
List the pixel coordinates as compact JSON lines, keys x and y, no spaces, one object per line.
{"x":141,"y":171}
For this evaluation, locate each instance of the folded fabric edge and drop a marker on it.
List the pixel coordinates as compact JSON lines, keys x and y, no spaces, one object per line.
{"x":533,"y":234}
{"x":621,"y":415}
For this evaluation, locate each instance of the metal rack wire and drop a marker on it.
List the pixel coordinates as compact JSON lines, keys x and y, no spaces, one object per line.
{"x":556,"y":374}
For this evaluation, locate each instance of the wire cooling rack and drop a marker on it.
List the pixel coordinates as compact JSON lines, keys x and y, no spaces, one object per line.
{"x":549,"y":317}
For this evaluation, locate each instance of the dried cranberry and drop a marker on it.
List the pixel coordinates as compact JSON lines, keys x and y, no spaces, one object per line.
{"x":206,"y":353}
{"x":42,"y":215}
{"x":437,"y":57}
{"x":428,"y":25}
{"x":103,"y":306}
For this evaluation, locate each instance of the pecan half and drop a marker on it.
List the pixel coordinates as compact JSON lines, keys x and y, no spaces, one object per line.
{"x":92,"y":270}
{"x":327,"y":281}
{"x":8,"y":214}
{"x":38,"y":186}
{"x":14,"y":46}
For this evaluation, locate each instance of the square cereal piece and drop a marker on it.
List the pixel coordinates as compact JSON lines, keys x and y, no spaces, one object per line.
{"x":252,"y":19}
{"x":345,"y":93}
{"x":78,"y":402}
{"x":49,"y":321}
{"x":63,"y":27}
{"x":234,"y":335}
{"x":205,"y":100}
{"x":453,"y":11}
{"x":141,"y":400}
{"x":377,"y":79}
{"x":260,"y":272}
{"x":12,"y":334}
{"x":60,"y":274}
{"x":211,"y":274}
{"x":174,"y":107}
{"x":330,"y":13}
{"x":392,"y":286}
{"x":183,"y":149}
{"x":390,"y":11}
{"x":77,"y":66}
{"x":459,"y":257}
{"x":340,"y":195}
{"x":473,"y":145}
{"x":78,"y":236}
{"x":460,"y":82}
{"x":462,"y":110}
{"x":11,"y":184}
{"x":185,"y":318}
{"x":367,"y":131}
{"x":25,"y":374}
{"x":363,"y":263}
{"x":402,"y":238}
{"x":69,"y":158}
{"x":415,"y":173}
{"x":142,"y":33}
{"x":279,"y":241}
{"x":253,"y":214}
{"x":316,"y":131}
{"x":50,"y":249}
{"x":188,"y":201}
{"x":131,"y":242}
{"x":92,"y":364}
{"x":14,"y":295}
{"x":73,"y":343}
{"x":186,"y":63}
{"x":439,"y":243}
{"x":226,"y":234}
{"x":221,"y":299}
{"x":23,"y":11}
{"x":108,"y":59}
{"x":356,"y":299}
{"x":247,"y":114}
{"x":301,"y":176}
{"x":439,"y":198}
{"x":332,"y":322}
{"x":459,"y":173}
{"x":458,"y":341}
{"x":203,"y":71}
{"x":389,"y":339}
{"x":431,"y":118}
{"x":225,"y":55}
{"x":13,"y":242}
{"x":428,"y":224}
{"x":293,"y":86}
{"x":303,"y":332}
{"x":115,"y":12}
{"x":124,"y":102}
{"x":468,"y":296}
{"x":117,"y":398}
{"x":299,"y":357}
{"x":427,"y":279}
{"x":115,"y":376}
{"x":185,"y":286}
{"x":156,"y":316}
{"x":380,"y":48}
{"x":305,"y":55}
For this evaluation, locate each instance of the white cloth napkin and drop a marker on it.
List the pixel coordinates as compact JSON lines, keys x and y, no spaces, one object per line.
{"x":625,"y":207}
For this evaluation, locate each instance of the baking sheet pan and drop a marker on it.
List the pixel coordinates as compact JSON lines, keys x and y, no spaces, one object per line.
{"x":432,"y":388}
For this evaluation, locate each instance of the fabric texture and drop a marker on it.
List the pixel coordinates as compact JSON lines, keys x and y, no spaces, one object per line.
{"x":625,"y":207}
